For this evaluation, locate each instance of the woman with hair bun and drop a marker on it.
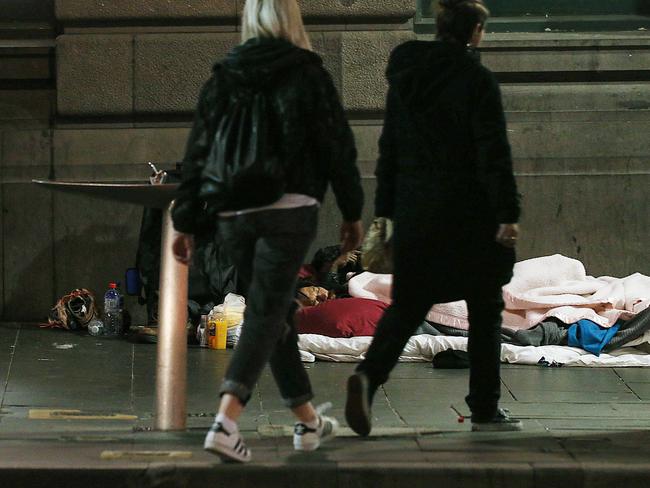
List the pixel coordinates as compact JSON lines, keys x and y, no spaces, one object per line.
{"x":445,"y":176}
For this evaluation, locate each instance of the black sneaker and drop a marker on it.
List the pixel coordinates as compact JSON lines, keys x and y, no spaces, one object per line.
{"x":501,"y":422}
{"x":357,"y":406}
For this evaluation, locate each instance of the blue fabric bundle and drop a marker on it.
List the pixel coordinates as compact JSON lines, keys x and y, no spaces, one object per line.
{"x":590,"y":336}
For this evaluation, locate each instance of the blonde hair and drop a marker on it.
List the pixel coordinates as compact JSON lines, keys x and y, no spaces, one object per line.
{"x":274,"y":18}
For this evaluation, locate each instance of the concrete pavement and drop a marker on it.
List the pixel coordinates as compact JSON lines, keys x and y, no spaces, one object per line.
{"x":78,"y":411}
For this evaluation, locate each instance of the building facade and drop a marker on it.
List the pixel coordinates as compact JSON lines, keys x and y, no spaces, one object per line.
{"x":93,"y":90}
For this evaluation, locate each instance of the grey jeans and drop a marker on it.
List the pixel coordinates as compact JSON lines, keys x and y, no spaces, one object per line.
{"x":268,"y":248}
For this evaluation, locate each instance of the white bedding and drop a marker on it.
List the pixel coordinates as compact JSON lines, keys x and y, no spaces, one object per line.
{"x":423,"y":347}
{"x":549,"y":286}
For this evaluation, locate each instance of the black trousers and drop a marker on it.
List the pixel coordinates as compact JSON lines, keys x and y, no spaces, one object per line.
{"x":432,"y":253}
{"x":402,"y":319}
{"x":268,"y":248}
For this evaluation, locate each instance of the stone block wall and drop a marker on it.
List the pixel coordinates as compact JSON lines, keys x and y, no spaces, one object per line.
{"x":127,"y":77}
{"x":118,"y":86}
{"x":26,"y":109}
{"x":578,"y":108}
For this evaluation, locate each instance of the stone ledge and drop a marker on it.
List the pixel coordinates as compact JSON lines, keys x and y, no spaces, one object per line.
{"x":549,"y":40}
{"x":79,"y":11}
{"x":565,"y":39}
{"x":551,"y":97}
{"x":591,"y":59}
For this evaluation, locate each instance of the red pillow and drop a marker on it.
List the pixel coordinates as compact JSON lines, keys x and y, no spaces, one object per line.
{"x":344,"y":317}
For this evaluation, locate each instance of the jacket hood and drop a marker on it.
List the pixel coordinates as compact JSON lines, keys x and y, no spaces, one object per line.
{"x":421,"y":69}
{"x":260,"y":60}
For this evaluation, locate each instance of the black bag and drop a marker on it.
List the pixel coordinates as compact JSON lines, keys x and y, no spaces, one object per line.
{"x":244,"y":168}
{"x":211,"y":276}
{"x":451,"y":359}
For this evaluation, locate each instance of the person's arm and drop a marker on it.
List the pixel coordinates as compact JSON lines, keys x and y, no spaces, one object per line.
{"x":336,"y":134}
{"x":187,"y":207}
{"x":494,"y":155}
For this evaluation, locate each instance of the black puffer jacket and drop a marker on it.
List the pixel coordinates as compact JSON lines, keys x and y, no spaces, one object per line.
{"x":317,"y":141}
{"x":445,"y":124}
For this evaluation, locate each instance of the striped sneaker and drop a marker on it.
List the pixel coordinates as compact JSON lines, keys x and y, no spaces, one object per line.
{"x":228,"y":446}
{"x":309,"y":439}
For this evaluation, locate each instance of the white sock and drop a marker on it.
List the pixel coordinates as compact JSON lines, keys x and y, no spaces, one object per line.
{"x":228,"y":424}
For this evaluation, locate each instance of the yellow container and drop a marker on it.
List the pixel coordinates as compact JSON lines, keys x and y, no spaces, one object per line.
{"x":217,"y":333}
{"x":221,"y":333}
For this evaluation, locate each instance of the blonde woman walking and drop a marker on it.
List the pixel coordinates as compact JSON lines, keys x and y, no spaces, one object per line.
{"x":269,"y":104}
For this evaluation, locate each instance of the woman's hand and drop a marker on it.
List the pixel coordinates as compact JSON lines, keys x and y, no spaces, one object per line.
{"x":508,"y":235}
{"x":351,"y":236}
{"x":183,"y":248}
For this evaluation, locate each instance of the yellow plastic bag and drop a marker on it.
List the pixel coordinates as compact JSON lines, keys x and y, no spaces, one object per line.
{"x":377,"y":249}
{"x":231,"y":310}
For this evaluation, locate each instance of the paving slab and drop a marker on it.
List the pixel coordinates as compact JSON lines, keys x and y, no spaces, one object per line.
{"x":7,"y":342}
{"x":641,"y":390}
{"x":84,"y":416}
{"x":635,"y":375}
{"x":56,"y":369}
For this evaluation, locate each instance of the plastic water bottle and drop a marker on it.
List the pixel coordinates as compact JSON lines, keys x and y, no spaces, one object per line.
{"x":112,"y":313}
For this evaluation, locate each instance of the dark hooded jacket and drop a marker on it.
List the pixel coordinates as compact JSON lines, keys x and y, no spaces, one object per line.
{"x":445,"y":122}
{"x":445,"y":170}
{"x":317,"y":143}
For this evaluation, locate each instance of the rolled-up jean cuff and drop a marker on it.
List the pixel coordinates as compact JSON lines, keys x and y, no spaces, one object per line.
{"x":236,"y":389}
{"x":296,"y":402}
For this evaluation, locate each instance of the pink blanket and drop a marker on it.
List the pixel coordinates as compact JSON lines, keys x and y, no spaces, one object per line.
{"x":550,"y":286}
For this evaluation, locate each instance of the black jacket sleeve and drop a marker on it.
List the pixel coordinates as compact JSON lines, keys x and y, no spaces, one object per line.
{"x":386,"y":164}
{"x":187,"y":208}
{"x":494,"y":156}
{"x":338,"y":140}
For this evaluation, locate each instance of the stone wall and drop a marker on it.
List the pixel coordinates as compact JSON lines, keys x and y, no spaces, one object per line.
{"x":127,"y":75}
{"x":578,"y":114}
{"x":26,"y":11}
{"x":127,"y":78}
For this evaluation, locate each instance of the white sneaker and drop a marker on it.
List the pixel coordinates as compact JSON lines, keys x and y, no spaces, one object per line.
{"x":229,"y":447}
{"x":308,"y":439}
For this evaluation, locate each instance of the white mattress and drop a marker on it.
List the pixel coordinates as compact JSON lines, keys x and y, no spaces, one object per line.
{"x":423,"y":348}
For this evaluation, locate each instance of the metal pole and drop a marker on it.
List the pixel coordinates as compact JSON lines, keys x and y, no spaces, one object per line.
{"x":171,"y":369}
